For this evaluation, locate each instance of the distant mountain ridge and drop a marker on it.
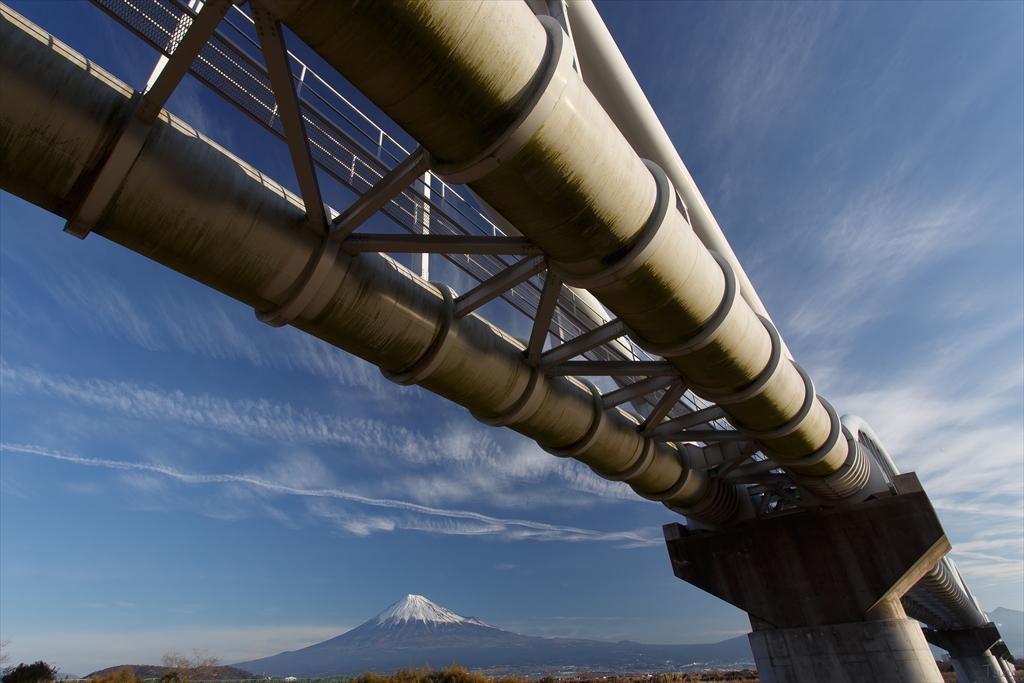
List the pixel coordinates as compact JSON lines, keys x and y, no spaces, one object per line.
{"x":1011,"y":628}
{"x":415,"y":631}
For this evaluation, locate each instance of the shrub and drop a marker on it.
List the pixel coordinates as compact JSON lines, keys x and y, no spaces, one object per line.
{"x":40,"y":672}
{"x":453,"y":674}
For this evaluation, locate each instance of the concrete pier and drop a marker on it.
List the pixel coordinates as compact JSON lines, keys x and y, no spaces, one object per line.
{"x":872,"y":650}
{"x":822,"y":586}
{"x":974,"y":653}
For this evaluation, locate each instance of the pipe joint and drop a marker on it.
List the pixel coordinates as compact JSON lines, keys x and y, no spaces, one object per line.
{"x":719,"y":505}
{"x":817,"y":457}
{"x":637,"y":466}
{"x":575,"y":449}
{"x":313,"y":277}
{"x":845,"y":482}
{"x":557,"y":67}
{"x":691,"y":485}
{"x":730,"y":396}
{"x":793,"y":424}
{"x":710,"y":330}
{"x":522,"y":408}
{"x":438,"y":349}
{"x":652,"y":235}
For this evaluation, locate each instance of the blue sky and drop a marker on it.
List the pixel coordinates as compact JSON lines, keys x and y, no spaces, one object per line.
{"x":176,"y":475}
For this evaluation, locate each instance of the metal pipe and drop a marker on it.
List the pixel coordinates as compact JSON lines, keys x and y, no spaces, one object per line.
{"x":192,"y":206}
{"x":612,"y":82}
{"x":461,"y":78}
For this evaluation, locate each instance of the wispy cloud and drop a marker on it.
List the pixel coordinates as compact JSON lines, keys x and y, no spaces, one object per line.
{"x":871,"y":248}
{"x":151,"y":316}
{"x":103,"y":304}
{"x":254,"y":418}
{"x":513,"y":529}
{"x":760,"y":74}
{"x":461,"y":461}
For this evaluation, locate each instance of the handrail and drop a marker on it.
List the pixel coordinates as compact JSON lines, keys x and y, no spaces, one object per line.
{"x":229,"y":70}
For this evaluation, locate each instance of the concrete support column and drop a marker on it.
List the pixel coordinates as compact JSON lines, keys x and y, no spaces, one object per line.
{"x":872,"y":650}
{"x":822,"y":586}
{"x":972,"y":652}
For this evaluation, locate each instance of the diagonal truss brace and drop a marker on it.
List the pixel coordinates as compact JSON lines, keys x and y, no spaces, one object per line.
{"x":129,"y":144}
{"x":279,"y":70}
{"x":704,"y":435}
{"x":782,"y":492}
{"x":493,"y":288}
{"x":387,"y":188}
{"x":542,"y":320}
{"x":753,"y":471}
{"x":603,"y":334}
{"x":633,"y":391}
{"x":667,"y":401}
{"x":709,"y":414}
{"x":439,"y":244}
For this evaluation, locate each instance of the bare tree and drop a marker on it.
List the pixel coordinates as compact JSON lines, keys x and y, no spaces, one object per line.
{"x":201,"y":666}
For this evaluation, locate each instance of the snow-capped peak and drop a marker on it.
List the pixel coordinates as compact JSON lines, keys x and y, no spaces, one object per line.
{"x":417,"y":608}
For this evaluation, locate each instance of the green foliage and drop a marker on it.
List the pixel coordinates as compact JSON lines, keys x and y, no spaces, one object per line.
{"x":453,"y":674}
{"x":40,"y":672}
{"x":125,"y":675}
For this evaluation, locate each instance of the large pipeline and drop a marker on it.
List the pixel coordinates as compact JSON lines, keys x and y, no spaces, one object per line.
{"x":484,"y":87}
{"x":194,"y":207}
{"x":612,"y":82}
{"x":190,"y":205}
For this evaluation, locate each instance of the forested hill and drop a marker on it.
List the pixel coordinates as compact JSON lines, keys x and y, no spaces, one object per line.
{"x":213,"y":673}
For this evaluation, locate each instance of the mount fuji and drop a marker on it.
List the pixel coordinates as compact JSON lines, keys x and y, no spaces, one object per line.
{"x":415,"y":631}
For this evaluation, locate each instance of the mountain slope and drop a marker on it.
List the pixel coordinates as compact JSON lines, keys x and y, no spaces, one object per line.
{"x":1011,"y":628}
{"x":415,"y":631}
{"x":212,"y":673}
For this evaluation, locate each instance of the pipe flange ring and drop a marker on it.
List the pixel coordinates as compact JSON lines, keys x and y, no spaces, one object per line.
{"x":844,"y":482}
{"x":652,"y":235}
{"x":711,"y":329}
{"x":792,"y":425}
{"x":672,"y":491}
{"x":523,"y":407}
{"x":588,"y":439}
{"x":315,"y":273}
{"x":637,"y":466}
{"x":438,"y":350}
{"x":835,"y":431}
{"x":855,"y":472}
{"x":730,"y":397}
{"x":549,"y":89}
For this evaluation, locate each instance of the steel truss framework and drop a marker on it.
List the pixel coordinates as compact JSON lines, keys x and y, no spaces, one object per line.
{"x":243,"y":57}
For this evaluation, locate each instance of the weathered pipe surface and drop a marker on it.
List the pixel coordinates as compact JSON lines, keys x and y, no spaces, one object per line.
{"x":192,"y":206}
{"x":454,"y":76}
